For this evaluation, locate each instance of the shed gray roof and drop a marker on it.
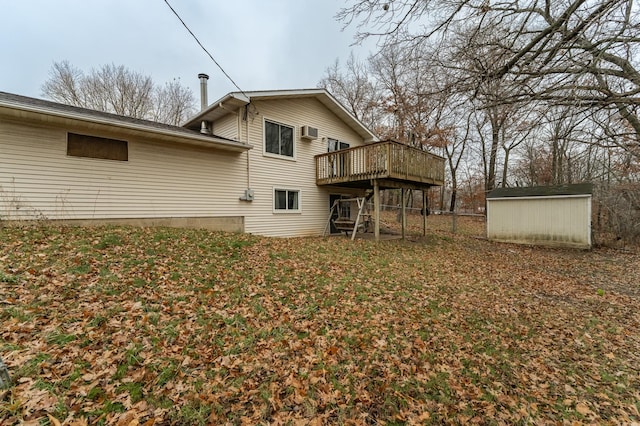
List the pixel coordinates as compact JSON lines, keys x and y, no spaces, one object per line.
{"x":542,"y":191}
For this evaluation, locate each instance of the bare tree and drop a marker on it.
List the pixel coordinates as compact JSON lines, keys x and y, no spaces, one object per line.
{"x":355,"y":89}
{"x":64,"y":84}
{"x":573,"y":52}
{"x":449,"y":127}
{"x":115,"y":89}
{"x":172,"y":103}
{"x":455,"y":150}
{"x":120,"y":91}
{"x":408,"y":80}
{"x":553,"y":86}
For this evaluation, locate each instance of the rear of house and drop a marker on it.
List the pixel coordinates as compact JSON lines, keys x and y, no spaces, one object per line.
{"x":243,"y":164}
{"x":286,"y":130}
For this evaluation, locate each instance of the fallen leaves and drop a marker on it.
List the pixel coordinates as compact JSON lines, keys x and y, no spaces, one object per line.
{"x":134,"y":326}
{"x":583,"y":409}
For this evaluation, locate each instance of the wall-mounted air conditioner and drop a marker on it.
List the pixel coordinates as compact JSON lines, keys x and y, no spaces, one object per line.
{"x":309,"y":133}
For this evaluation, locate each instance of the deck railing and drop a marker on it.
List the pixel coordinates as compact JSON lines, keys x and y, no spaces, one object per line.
{"x":382,"y":160}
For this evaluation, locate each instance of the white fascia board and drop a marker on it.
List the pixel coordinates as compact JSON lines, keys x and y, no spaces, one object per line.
{"x":208,"y":141}
{"x":202,"y":115}
{"x":340,"y":110}
{"x":540,"y":197}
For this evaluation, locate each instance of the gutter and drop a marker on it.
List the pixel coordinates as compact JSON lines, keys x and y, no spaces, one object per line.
{"x":13,"y":109}
{"x":217,"y":104}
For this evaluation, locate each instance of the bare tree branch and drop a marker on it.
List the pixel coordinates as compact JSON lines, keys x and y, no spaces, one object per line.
{"x":118,"y":90}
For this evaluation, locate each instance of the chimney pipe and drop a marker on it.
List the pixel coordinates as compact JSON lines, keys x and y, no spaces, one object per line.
{"x":203,"y":91}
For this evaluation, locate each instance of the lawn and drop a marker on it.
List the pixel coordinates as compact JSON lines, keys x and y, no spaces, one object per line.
{"x":166,"y":326}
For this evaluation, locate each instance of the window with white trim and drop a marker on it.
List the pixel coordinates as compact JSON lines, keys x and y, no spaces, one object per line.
{"x":286,"y":200}
{"x":278,"y":139}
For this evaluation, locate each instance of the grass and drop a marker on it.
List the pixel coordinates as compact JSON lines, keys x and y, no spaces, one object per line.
{"x":189,"y":327}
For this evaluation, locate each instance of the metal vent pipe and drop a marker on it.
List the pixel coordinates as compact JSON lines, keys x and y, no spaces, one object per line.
{"x":204,"y":103}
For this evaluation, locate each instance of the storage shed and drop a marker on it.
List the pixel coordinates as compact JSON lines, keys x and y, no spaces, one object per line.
{"x":557,"y":216}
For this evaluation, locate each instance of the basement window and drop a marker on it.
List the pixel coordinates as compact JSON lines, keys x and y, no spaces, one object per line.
{"x":97,"y":147}
{"x":286,"y":200}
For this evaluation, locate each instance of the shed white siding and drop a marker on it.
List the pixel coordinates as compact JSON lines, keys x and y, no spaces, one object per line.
{"x":38,"y":179}
{"x":551,"y":220}
{"x":267,"y":172}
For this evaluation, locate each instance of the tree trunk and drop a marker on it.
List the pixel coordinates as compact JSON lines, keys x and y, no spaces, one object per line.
{"x":452,"y":206}
{"x":505,"y":167}
{"x":493,"y":154}
{"x":554,"y":162}
{"x":454,"y":190}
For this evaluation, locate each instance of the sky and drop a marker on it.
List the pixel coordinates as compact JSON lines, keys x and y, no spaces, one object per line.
{"x":261,"y":44}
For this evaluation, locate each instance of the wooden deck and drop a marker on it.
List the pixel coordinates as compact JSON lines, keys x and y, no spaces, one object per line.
{"x":391,"y":164}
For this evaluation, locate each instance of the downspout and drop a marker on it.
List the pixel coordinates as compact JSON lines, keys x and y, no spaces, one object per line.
{"x":246,"y":119}
{"x":243,"y":115}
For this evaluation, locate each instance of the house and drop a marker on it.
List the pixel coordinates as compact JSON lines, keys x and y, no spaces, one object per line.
{"x":263,"y":162}
{"x":542,"y":215}
{"x":65,"y":163}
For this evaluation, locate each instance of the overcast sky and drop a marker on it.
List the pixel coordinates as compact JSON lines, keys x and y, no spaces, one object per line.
{"x":262,"y":44}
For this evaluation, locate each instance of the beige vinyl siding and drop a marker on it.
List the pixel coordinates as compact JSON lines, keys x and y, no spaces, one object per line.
{"x":227,"y":126}
{"x":38,"y":179}
{"x":557,"y":220}
{"x":268,"y":172}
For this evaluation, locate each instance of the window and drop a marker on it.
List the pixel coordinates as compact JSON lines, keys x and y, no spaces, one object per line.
{"x":96,"y":147}
{"x":337,"y":161}
{"x":336,"y":145}
{"x":278,"y":139}
{"x":286,"y":200}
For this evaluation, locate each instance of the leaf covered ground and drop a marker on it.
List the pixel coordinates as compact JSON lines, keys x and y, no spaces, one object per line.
{"x":171,"y":326}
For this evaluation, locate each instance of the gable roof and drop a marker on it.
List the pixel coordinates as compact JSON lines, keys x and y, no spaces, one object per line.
{"x":542,"y":191}
{"x":235,"y":100}
{"x":40,"y":110}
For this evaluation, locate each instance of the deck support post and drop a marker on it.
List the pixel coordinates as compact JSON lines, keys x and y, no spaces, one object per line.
{"x":424,"y":213}
{"x":376,"y":210}
{"x":403,"y":196}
